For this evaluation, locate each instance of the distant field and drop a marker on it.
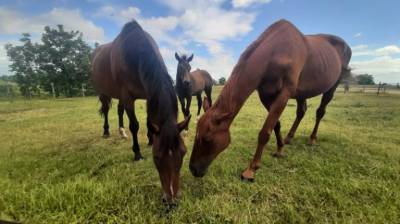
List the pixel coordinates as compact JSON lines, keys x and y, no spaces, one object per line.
{"x":56,"y":168}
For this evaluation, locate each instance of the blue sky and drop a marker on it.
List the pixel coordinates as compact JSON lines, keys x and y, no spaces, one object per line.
{"x":217,"y":31}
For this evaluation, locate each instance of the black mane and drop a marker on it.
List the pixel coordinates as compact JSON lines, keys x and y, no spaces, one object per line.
{"x":142,"y":55}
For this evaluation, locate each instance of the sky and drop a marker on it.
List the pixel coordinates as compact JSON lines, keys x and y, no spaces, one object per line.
{"x":216,"y":31}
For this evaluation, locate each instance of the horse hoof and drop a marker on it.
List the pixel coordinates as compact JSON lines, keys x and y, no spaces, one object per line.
{"x":278,"y":155}
{"x":311,"y":141}
{"x":106,"y":135}
{"x":138,"y":158}
{"x":248,"y":175}
{"x":123,"y":133}
{"x":287,"y":141}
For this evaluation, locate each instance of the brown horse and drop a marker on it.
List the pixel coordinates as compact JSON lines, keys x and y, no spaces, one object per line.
{"x":281,"y":64}
{"x":190,"y":84}
{"x":131,"y":68}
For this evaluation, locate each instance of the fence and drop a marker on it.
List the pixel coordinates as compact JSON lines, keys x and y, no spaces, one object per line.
{"x":10,"y":91}
{"x":377,"y":89}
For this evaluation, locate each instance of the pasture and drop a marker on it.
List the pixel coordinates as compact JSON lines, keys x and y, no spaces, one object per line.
{"x":56,"y":168}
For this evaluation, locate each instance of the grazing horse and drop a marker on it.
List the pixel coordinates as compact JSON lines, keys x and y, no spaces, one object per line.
{"x":130,"y":68}
{"x":281,"y":64}
{"x":190,"y":84}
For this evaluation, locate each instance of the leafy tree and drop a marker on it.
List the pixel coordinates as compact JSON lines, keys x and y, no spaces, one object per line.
{"x":365,"y":79}
{"x":64,"y":58}
{"x":222,"y":81}
{"x":23,"y":64}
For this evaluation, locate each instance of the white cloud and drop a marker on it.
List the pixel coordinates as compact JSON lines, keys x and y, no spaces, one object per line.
{"x":365,"y":50}
{"x":388,"y":50}
{"x":158,"y":27}
{"x":214,"y":24}
{"x":13,"y":22}
{"x":358,"y":35}
{"x":198,"y":22}
{"x":247,"y":3}
{"x":385,"y":69}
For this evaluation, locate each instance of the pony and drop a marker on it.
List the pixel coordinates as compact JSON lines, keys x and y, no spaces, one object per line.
{"x":190,"y":84}
{"x":131,"y":68}
{"x":281,"y":64}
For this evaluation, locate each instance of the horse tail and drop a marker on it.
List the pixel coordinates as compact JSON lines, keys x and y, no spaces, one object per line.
{"x":346,"y":56}
{"x":106,"y":104}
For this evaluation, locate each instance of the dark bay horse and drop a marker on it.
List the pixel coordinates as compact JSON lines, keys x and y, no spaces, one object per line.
{"x":190,"y":84}
{"x":130,"y":68}
{"x":281,"y":64}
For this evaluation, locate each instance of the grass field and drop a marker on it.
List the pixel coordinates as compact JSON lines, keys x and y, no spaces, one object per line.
{"x":56,"y":168}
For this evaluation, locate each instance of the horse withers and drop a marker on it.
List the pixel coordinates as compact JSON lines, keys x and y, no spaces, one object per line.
{"x":190,"y":84}
{"x":130,"y":68}
{"x":281,"y":64}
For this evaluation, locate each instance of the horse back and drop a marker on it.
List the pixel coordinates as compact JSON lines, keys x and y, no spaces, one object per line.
{"x":200,"y":80}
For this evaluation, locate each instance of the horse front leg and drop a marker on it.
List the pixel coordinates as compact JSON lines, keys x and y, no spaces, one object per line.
{"x":275,"y":112}
{"x":182,"y":101}
{"x":199,"y":102}
{"x":134,"y":128}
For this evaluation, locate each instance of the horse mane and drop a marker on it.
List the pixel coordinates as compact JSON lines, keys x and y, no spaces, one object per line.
{"x":142,"y":55}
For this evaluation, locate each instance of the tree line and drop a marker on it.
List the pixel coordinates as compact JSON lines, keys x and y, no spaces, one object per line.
{"x":59,"y":64}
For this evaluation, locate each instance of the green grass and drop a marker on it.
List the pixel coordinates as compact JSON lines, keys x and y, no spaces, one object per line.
{"x":56,"y":168}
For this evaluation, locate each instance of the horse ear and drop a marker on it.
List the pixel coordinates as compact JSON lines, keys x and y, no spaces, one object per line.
{"x":190,"y":58}
{"x":221,"y":117}
{"x":177,"y":57}
{"x":184,"y":124}
{"x":153,"y":128}
{"x":206,"y":104}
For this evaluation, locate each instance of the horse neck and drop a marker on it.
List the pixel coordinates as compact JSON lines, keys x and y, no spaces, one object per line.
{"x":162,"y":106}
{"x":234,"y":94}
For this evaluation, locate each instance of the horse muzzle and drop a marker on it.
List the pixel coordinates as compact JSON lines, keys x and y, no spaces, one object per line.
{"x":198,"y":171}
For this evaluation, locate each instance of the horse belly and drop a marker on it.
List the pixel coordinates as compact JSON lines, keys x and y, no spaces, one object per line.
{"x":320,"y":73}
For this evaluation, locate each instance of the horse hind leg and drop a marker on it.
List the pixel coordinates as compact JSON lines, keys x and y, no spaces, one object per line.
{"x":105,"y":107}
{"x":326,"y":98}
{"x":301,"y":110}
{"x":121,"y":120}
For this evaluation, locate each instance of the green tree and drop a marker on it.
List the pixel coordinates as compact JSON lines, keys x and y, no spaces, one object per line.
{"x":365,"y":79}
{"x":23,"y":63}
{"x":64,"y":58}
{"x":221,"y":81}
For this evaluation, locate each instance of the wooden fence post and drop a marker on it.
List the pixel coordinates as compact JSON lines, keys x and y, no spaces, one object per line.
{"x":83,"y":90}
{"x":52,"y":90}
